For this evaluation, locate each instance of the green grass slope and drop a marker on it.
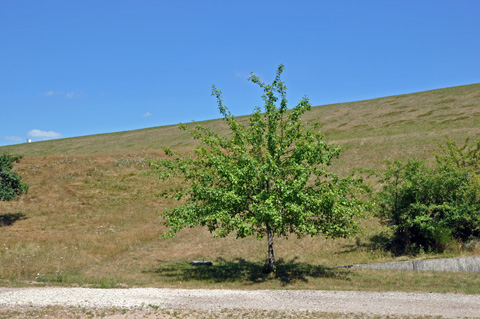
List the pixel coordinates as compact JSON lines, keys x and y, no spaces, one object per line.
{"x":90,"y":215}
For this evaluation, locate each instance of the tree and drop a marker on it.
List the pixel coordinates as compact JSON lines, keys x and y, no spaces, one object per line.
{"x":429,"y":205}
{"x":10,"y":182}
{"x":268,"y":177}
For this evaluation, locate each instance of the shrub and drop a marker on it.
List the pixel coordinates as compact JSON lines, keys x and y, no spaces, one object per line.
{"x":429,"y":205}
{"x":10,"y":182}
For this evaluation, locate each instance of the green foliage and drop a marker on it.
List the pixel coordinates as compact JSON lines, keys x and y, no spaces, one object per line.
{"x":430,"y":204}
{"x":268,"y":177}
{"x":10,"y":182}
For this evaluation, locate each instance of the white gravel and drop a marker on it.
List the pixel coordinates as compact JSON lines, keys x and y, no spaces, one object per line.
{"x":381,"y":303}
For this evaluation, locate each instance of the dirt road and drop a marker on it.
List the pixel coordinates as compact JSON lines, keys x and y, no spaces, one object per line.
{"x":380,"y":303}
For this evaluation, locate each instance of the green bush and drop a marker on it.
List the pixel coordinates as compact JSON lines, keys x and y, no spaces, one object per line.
{"x":429,"y":205}
{"x":10,"y":182}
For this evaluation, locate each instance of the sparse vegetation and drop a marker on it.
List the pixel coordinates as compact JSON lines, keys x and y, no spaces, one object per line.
{"x":156,"y":313}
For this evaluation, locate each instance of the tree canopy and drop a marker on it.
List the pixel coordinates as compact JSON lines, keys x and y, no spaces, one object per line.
{"x":10,"y":182}
{"x":268,"y":177}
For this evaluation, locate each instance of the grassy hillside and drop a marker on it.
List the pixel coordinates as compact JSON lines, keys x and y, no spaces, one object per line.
{"x":402,"y":119}
{"x":90,"y":215}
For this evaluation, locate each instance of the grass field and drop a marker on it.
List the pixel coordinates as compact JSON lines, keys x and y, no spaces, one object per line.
{"x":90,"y":217}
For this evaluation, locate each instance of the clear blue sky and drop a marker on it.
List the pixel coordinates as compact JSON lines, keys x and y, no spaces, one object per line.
{"x":81,"y":67}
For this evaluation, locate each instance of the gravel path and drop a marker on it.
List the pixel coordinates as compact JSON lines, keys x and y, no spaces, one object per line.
{"x":381,"y":303}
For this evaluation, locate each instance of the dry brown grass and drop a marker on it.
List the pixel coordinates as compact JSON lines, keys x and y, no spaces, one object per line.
{"x":90,"y":215}
{"x":452,"y":111}
{"x":80,"y":211}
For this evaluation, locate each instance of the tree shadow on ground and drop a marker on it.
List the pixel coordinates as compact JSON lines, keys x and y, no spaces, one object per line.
{"x":10,"y":219}
{"x":240,"y":270}
{"x":384,"y":242}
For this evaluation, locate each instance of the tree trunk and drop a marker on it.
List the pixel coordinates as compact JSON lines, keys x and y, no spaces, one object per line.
{"x":271,"y":256}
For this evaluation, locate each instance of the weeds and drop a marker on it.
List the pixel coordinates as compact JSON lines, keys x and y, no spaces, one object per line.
{"x":155,"y":312}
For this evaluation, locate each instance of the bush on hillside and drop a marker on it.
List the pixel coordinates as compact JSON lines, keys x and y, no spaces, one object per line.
{"x":10,"y":182}
{"x":429,"y":205}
